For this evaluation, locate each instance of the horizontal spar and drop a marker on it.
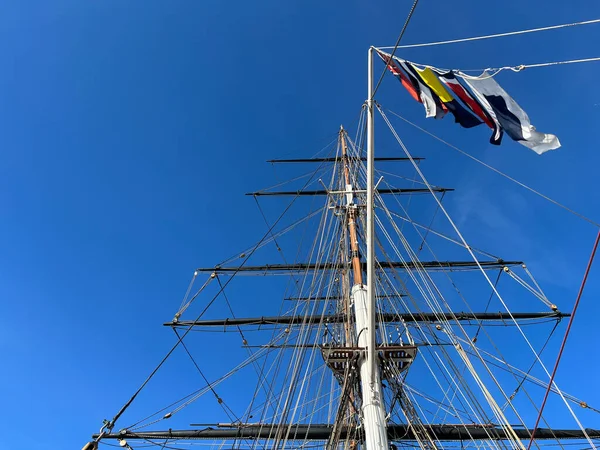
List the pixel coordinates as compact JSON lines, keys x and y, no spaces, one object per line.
{"x":340,"y":159}
{"x":338,"y":318}
{"x":301,"y":267}
{"x":324,"y":192}
{"x":322,"y":432}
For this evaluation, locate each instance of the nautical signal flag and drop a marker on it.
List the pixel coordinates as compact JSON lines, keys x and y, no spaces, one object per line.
{"x":450,"y":80}
{"x":433,"y":104}
{"x":511,"y":117}
{"x":412,"y":89}
{"x":411,"y":83}
{"x":461,"y":115}
{"x":480,"y":100}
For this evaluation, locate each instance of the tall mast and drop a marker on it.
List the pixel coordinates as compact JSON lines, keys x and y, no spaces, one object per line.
{"x":363,"y":298}
{"x":351,"y":216}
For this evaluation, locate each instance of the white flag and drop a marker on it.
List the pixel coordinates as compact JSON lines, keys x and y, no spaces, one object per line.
{"x":501,"y":107}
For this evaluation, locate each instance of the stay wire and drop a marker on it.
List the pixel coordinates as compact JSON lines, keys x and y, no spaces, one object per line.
{"x":526,"y":375}
{"x":487,"y":306}
{"x":521,"y":67}
{"x":108,"y":426}
{"x":508,"y":177}
{"x":410,"y":14}
{"x":133,"y":426}
{"x":231,"y":310}
{"x":491,"y":72}
{"x":492,"y":36}
{"x":437,"y":209}
{"x":277,"y":246}
{"x":494,"y":405}
{"x":208,"y":383}
{"x":564,"y":342}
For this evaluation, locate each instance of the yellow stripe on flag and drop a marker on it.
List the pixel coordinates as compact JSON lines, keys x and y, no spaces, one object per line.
{"x":435,"y":85}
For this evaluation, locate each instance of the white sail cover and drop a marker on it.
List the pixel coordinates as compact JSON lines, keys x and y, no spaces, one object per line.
{"x":509,"y":114}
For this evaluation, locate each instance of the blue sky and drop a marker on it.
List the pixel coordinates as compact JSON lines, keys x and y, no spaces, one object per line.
{"x":130,"y":130}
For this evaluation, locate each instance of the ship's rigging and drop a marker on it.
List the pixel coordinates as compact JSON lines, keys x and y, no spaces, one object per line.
{"x":373,"y":351}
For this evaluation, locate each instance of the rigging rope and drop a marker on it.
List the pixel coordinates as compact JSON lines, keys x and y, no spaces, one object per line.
{"x":410,"y":14}
{"x":391,"y":243}
{"x":491,"y":36}
{"x":496,"y":70}
{"x":430,"y":297}
{"x":508,"y":177}
{"x":228,"y":411}
{"x":562,"y":346}
{"x":474,"y":339}
{"x":512,"y":396}
{"x":483,"y":272}
{"x":521,"y":67}
{"x":108,"y":425}
{"x":486,"y":310}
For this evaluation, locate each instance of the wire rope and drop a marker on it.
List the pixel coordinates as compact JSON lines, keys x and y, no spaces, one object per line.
{"x":497,"y":35}
{"x":406,"y":22}
{"x":508,"y":177}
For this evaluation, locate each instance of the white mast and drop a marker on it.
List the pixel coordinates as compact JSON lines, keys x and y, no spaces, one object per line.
{"x":364,"y":307}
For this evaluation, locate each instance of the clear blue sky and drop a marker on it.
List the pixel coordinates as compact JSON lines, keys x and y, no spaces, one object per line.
{"x":130,"y":130}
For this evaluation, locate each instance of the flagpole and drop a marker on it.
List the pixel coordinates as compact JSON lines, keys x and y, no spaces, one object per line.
{"x":363,"y":299}
{"x":370,"y":221}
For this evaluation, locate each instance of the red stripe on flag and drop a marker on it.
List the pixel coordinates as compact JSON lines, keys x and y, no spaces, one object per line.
{"x":470,"y":101}
{"x":391,"y":65}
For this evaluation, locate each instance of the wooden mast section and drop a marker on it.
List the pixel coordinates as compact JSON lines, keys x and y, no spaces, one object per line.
{"x":351,"y":208}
